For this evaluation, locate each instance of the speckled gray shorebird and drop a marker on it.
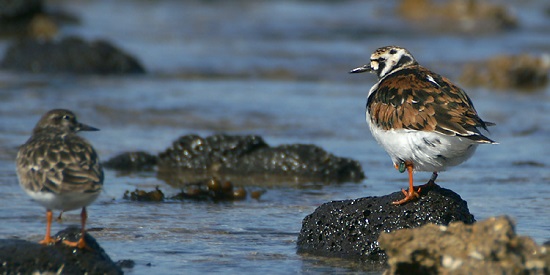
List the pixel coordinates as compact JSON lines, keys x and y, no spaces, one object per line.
{"x":59,"y":169}
{"x":423,"y":120}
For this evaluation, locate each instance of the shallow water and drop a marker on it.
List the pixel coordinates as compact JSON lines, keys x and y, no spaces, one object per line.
{"x":276,"y":69}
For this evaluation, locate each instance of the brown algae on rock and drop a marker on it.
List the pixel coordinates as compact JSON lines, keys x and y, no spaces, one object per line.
{"x":212,"y":190}
{"x":140,"y":195}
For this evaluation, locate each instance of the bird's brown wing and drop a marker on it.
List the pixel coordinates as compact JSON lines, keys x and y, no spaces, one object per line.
{"x":415,"y":98}
{"x":60,"y":165}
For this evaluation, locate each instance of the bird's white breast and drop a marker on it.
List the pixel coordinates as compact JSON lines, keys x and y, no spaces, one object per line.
{"x":428,"y":151}
{"x":64,"y":201}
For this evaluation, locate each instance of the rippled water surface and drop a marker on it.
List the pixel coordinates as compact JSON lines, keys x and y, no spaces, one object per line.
{"x":276,"y":69}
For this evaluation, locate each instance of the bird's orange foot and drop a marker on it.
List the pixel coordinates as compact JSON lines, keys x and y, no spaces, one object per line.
{"x":409,"y":196}
{"x":48,"y":240}
{"x":80,"y":244}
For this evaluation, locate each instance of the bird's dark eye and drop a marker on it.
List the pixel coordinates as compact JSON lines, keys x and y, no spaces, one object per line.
{"x":393,"y":51}
{"x":66,"y":117}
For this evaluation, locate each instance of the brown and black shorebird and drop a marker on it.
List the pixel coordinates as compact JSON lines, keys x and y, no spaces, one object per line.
{"x":59,"y":169}
{"x":423,"y":120}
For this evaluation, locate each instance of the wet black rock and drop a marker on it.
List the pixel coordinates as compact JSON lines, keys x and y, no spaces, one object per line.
{"x":13,"y":9}
{"x":222,"y":155}
{"x":487,"y":247}
{"x":213,"y":152}
{"x":350,"y":229}
{"x":16,"y":15}
{"x":24,"y":257}
{"x":132,"y":161}
{"x":69,"y":55}
{"x":126,"y":263}
{"x":300,"y":159}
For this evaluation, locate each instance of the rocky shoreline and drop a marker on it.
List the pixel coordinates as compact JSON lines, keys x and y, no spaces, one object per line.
{"x":436,"y":234}
{"x":433,"y":235}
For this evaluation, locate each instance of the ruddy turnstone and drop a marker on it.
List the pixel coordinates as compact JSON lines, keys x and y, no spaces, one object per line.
{"x":423,"y":121}
{"x":59,"y":169}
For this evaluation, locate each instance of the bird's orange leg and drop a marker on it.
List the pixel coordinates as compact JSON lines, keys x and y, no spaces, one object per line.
{"x":80,"y":243}
{"x":48,"y":238}
{"x":411,"y":194}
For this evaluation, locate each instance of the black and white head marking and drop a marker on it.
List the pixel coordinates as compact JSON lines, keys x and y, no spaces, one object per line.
{"x":389,"y":59}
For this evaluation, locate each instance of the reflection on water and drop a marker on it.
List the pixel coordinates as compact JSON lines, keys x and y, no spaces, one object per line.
{"x":278,"y":70}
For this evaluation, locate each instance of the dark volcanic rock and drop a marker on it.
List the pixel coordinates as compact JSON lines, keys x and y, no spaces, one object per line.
{"x":195,"y":152}
{"x":126,"y":263}
{"x":132,"y":161}
{"x":300,"y":159}
{"x":349,"y":229}
{"x":12,"y":9}
{"x":16,"y":15}
{"x":222,"y":155}
{"x":69,"y":55}
{"x":23,"y":257}
{"x":486,"y":247}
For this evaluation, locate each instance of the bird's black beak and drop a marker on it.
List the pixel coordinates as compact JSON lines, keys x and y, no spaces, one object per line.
{"x":362,"y":69}
{"x":84,"y":127}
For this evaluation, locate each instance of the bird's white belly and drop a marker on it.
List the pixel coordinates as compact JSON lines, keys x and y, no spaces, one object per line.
{"x":428,"y":151}
{"x":65,"y":202}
